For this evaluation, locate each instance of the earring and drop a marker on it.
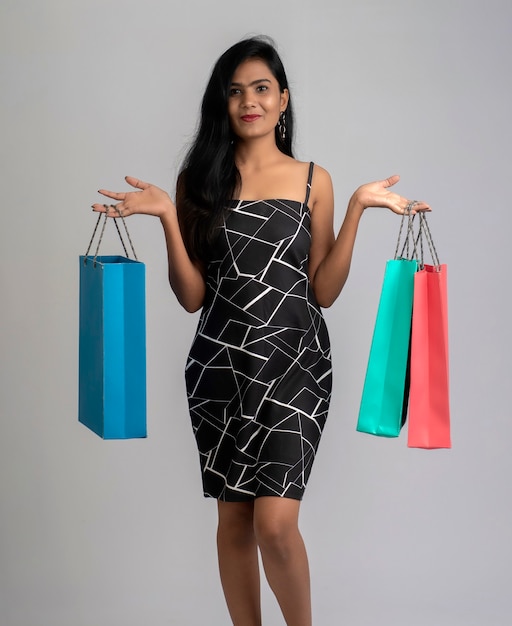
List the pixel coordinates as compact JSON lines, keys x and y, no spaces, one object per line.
{"x":281,"y":126}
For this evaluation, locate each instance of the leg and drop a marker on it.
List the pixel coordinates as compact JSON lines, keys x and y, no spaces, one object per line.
{"x":284,"y":556}
{"x":238,"y":562}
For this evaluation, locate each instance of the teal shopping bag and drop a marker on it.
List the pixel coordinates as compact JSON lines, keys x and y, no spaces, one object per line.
{"x":381,"y":408}
{"x":383,"y":403}
{"x":112,"y":346}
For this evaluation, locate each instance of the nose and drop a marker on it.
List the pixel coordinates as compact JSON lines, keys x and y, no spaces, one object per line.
{"x":247,"y":99}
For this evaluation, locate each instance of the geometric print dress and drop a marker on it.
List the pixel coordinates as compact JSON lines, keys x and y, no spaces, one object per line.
{"x":258,"y":374}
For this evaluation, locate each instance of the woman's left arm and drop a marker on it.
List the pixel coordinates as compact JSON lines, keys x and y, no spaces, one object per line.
{"x":330,"y":257}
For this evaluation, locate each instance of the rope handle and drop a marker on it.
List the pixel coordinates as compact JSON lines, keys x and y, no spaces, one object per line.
{"x":103,"y":230}
{"x":416,"y":240}
{"x":410,"y":238}
{"x":425,"y":232}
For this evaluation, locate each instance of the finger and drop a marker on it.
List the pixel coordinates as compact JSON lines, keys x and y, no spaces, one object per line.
{"x":103,"y":208}
{"x":117,"y":210}
{"x":392,"y":180}
{"x":416,"y":207}
{"x":402,"y":206}
{"x":112,"y":210}
{"x":412,"y":207}
{"x":115,"y":195}
{"x":135,"y":182}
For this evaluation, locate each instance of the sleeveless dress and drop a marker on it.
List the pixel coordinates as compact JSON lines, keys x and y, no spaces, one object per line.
{"x":258,"y":374}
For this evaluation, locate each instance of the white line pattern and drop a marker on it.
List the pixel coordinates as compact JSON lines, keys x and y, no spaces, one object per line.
{"x":259,"y":370}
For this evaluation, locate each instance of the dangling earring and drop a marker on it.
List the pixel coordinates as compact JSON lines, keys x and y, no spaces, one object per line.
{"x":281,"y":126}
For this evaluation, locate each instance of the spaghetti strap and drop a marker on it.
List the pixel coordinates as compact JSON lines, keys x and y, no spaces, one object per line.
{"x":310,"y":177}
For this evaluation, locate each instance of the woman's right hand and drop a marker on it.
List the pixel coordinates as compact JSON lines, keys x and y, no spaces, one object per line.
{"x":149,"y":200}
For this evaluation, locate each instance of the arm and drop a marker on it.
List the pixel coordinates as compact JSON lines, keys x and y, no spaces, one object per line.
{"x":186,"y":278}
{"x":330,"y":257}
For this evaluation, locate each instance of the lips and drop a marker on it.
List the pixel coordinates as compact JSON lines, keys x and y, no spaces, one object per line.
{"x":250,"y":118}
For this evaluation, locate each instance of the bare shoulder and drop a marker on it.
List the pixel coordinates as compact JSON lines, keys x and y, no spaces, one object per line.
{"x":321,"y":177}
{"x":321,"y":188}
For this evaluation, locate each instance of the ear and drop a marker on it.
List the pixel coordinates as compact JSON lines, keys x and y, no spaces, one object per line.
{"x":285,"y":96}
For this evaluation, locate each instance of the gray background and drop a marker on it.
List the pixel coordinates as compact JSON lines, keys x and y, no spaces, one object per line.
{"x":97,"y":533}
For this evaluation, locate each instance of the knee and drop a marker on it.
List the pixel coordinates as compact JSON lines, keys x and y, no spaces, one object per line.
{"x":236,"y":528}
{"x":275,"y":537}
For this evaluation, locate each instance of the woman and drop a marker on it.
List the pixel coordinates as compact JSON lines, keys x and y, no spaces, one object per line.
{"x":251,"y":242}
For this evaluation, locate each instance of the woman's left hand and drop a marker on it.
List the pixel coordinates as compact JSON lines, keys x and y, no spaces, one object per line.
{"x":377,"y":194}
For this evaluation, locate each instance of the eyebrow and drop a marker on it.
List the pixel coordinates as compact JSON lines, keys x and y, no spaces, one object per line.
{"x":254,"y":82}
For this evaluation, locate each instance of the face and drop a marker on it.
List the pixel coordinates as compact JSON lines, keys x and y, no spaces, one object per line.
{"x":255,"y":100}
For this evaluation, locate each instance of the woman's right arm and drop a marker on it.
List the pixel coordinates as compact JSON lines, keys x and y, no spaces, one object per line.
{"x":186,"y":277}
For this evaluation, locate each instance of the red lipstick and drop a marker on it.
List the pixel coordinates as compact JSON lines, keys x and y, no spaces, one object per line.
{"x":250,"y":118}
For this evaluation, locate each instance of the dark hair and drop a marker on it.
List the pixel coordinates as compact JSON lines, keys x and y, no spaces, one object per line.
{"x":209,"y":177}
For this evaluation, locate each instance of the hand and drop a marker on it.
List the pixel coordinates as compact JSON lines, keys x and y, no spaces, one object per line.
{"x":150,"y":200}
{"x":377,"y":194}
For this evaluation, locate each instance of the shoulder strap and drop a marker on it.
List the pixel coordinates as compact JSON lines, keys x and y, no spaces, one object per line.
{"x":310,"y":177}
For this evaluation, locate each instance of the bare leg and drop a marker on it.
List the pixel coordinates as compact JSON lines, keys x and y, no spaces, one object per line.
{"x":238,"y":562}
{"x":284,"y":556}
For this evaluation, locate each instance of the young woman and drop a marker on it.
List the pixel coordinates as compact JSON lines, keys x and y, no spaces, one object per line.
{"x":250,"y":241}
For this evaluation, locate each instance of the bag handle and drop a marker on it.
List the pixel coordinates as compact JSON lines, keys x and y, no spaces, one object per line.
{"x":415,"y":240}
{"x":409,"y":236}
{"x":425,"y":231}
{"x":103,"y":230}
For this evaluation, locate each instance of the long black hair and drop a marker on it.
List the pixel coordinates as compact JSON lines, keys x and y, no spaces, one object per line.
{"x":209,"y":177}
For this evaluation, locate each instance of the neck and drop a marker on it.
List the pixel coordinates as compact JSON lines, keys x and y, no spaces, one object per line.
{"x":257,"y":153}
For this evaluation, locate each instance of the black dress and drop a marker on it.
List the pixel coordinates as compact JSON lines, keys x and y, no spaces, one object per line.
{"x":258,"y":374}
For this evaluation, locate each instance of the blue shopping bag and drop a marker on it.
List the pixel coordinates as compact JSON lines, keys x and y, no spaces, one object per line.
{"x":112,"y":346}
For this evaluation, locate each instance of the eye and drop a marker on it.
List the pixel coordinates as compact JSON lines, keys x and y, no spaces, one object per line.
{"x":261,"y":88}
{"x":234,"y":91}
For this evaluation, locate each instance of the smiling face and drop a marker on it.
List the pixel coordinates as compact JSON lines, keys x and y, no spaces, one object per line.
{"x":255,"y":101}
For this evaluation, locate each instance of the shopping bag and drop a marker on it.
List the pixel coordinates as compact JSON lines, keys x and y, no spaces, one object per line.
{"x":383,"y":403}
{"x":429,"y":405}
{"x":112,"y":345}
